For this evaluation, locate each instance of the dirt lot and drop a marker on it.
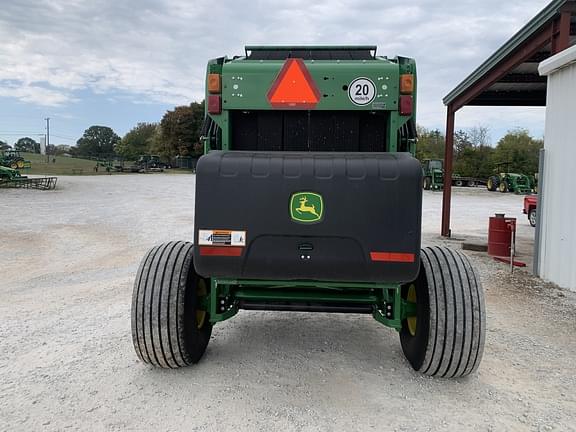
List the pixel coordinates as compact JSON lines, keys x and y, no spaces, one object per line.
{"x":66,"y":359}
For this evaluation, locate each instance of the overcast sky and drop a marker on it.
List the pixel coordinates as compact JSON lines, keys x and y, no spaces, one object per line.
{"x":120,"y":62}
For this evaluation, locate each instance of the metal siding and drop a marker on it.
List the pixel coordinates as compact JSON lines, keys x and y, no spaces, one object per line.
{"x":558,"y":222}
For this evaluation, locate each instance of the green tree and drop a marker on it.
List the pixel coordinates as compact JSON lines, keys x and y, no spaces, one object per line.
{"x":27,"y":144}
{"x":97,"y":141}
{"x":61,"y":149}
{"x":521,"y":151}
{"x":479,"y":136}
{"x":138,"y":141}
{"x":461,"y":143}
{"x":180,"y":130}
{"x":4,"y":146}
{"x":475,"y":162}
{"x":430,"y":144}
{"x":472,"y":153}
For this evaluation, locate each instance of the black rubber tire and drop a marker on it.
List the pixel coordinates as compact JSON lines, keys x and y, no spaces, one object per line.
{"x":164,"y":304}
{"x":471,"y":183}
{"x":451,"y":326}
{"x":427,"y":183}
{"x":495,"y":183}
{"x":532,"y":217}
{"x":458,"y":183}
{"x":503,"y":187}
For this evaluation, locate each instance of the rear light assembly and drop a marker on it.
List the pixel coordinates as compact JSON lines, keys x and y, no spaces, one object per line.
{"x":406,"y":84}
{"x":406,"y":105}
{"x":214,"y":104}
{"x":214,"y":83}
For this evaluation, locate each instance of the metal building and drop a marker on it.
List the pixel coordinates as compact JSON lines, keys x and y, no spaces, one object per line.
{"x":556,"y":240}
{"x":509,"y":77}
{"x":515,"y":75}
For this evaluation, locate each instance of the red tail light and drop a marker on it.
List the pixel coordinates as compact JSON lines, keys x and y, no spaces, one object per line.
{"x":405,"y":105}
{"x":214,"y":104}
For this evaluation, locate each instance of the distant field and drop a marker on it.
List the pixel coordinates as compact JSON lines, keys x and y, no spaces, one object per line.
{"x":62,"y":166}
{"x":71,"y":166}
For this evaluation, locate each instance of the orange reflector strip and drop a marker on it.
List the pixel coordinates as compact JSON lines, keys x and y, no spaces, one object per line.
{"x":230,"y":251}
{"x":392,"y":257}
{"x":214,"y":83}
{"x":406,"y":83}
{"x":294,"y":87}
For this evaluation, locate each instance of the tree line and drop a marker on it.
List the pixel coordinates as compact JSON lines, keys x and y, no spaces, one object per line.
{"x":474,"y":156}
{"x":178,"y":133}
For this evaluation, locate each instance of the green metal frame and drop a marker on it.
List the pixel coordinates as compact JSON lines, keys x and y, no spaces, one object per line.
{"x":389,"y":308}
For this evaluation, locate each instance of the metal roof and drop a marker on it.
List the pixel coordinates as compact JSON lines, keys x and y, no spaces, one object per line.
{"x":515,"y":83}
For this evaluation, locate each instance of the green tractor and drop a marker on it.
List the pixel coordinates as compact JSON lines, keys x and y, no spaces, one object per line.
{"x":433,"y":172}
{"x":309,"y":199}
{"x":506,"y":181}
{"x":11,"y":178}
{"x":9,"y":174}
{"x":13,"y":159}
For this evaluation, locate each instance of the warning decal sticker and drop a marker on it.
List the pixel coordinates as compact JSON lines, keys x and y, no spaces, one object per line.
{"x":221,"y":238}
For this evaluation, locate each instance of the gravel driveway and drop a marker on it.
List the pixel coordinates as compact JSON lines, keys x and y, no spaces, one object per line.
{"x":67,"y":363}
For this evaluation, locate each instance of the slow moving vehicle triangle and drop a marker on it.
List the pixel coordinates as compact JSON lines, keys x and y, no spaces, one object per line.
{"x":294,"y":87}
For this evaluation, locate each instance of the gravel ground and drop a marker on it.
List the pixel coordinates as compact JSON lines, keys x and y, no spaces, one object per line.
{"x":67,"y":362}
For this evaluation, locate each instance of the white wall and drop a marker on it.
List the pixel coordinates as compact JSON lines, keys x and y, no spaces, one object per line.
{"x":557,"y":246}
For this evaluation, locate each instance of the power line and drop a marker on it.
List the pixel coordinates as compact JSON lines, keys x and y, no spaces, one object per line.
{"x":63,"y":136}
{"x":22,"y":133}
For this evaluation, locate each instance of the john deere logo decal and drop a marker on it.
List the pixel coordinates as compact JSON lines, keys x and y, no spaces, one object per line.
{"x":306,"y":207}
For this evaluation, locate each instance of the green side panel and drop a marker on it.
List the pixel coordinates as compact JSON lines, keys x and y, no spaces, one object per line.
{"x":246,"y":83}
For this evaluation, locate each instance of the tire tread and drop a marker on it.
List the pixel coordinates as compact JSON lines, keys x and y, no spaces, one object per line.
{"x":457,"y":314}
{"x":158,"y":332}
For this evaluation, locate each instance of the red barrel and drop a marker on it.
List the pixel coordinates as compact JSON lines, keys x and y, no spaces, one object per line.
{"x":500,"y":231}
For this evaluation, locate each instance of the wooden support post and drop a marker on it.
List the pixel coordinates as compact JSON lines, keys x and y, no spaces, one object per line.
{"x":563,"y":41}
{"x":448,"y":158}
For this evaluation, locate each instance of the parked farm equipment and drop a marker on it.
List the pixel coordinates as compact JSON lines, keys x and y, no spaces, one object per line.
{"x":433,"y":172}
{"x":149,"y":163}
{"x":505,"y":181}
{"x":309,"y":198}
{"x":11,"y":178}
{"x":13,"y":159}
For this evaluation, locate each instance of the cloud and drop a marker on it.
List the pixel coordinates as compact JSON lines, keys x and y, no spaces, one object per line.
{"x":156,"y":51}
{"x":34,"y":94}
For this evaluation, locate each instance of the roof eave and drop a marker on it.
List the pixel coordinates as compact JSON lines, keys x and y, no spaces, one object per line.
{"x":514,"y":42}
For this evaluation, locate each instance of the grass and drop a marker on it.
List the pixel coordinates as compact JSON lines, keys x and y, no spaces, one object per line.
{"x":62,"y":166}
{"x":72,"y":166}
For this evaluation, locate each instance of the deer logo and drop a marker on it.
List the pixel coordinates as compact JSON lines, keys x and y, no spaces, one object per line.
{"x":306,"y":207}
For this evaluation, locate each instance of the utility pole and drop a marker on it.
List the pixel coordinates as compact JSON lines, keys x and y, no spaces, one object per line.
{"x":47,"y":138}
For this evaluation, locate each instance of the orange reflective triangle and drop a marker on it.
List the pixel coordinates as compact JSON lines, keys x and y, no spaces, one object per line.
{"x":294,"y":87}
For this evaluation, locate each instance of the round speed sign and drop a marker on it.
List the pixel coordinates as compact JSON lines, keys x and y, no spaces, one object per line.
{"x":361,"y":91}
